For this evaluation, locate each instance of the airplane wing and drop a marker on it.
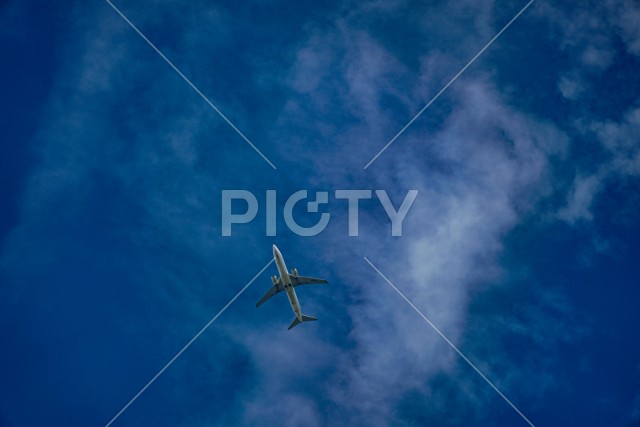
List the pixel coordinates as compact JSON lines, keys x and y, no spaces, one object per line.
{"x":302,"y":280}
{"x":271,"y":292}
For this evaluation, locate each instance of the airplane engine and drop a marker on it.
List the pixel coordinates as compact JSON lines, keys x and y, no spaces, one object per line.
{"x":294,"y":271}
{"x":274,"y":279}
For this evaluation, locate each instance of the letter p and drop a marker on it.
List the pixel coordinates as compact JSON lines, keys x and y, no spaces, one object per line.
{"x":229,"y":218}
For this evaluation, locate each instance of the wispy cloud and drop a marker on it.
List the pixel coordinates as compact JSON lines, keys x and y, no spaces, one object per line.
{"x":130,"y":164}
{"x":477,"y":172}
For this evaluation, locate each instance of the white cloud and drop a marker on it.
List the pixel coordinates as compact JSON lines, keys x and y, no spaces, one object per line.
{"x":571,"y":87}
{"x":580,"y":199}
{"x":627,"y":18}
{"x":619,"y":140}
{"x":477,"y":174}
{"x":588,"y":37}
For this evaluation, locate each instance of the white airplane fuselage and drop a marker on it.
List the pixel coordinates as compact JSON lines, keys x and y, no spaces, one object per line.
{"x":286,"y":283}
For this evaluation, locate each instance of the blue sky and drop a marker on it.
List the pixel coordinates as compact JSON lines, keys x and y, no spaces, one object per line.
{"x":521,"y":246}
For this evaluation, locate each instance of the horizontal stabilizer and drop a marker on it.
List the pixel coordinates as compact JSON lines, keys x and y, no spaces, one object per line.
{"x":297,"y":321}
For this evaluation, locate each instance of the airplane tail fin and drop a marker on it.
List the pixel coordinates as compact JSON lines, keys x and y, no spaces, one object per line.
{"x":297,"y":321}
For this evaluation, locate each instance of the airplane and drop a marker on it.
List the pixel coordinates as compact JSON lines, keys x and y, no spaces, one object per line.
{"x":286,"y":283}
